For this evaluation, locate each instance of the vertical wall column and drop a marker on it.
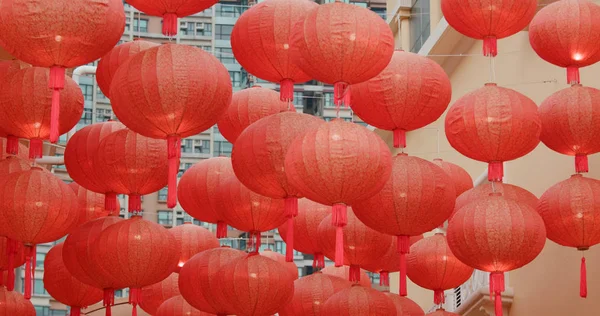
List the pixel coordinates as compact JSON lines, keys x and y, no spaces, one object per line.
{"x":404,"y":17}
{"x":435,"y":13}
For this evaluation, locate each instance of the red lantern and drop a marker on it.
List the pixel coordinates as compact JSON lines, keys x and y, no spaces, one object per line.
{"x":36,"y":207}
{"x":361,"y":243}
{"x":571,"y":123}
{"x":571,"y":212}
{"x":197,"y":191}
{"x":109,"y":63}
{"x":261,"y":42}
{"x":171,"y":10}
{"x":311,"y":292}
{"x":136,"y":253}
{"x":250,"y":212}
{"x":493,"y":124}
{"x":388,"y":262}
{"x":198,"y":280}
{"x":177,"y":306}
{"x":418,"y":197}
{"x":129,"y":163}
{"x":350,"y":45}
{"x":12,"y":147}
{"x":248,"y":106}
{"x":145,"y":97}
{"x":490,"y":20}
{"x":357,"y":301}
{"x":12,"y":254}
{"x":289,"y":266}
{"x":344,"y":274}
{"x":79,"y":159}
{"x":91,"y":204}
{"x":566,"y":34}
{"x":306,"y":224}
{"x":405,"y":306}
{"x":411,"y":92}
{"x":258,"y":160}
{"x":60,"y":35}
{"x":25,"y":104}
{"x":154,"y":295}
{"x":431,"y":265}
{"x":266,"y":285}
{"x":12,"y":164}
{"x":7,"y":69}
{"x":496,"y":235}
{"x":13,"y":303}
{"x":459,"y":176}
{"x":192,"y":239}
{"x":338,"y":163}
{"x":64,"y":287}
{"x":442,"y":312}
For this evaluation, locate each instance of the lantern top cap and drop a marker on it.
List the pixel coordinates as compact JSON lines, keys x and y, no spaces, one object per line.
{"x":491,"y":84}
{"x":495,"y":194}
{"x":577,"y":175}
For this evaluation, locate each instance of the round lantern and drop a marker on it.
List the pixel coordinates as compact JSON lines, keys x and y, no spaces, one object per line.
{"x":248,"y":106}
{"x":311,"y":292}
{"x":490,"y":20}
{"x":250,"y":212}
{"x":129,"y":163}
{"x":12,"y":164}
{"x":493,"y":124}
{"x":12,"y":255}
{"x":60,"y":35}
{"x":64,"y":287}
{"x":418,"y":197}
{"x":109,"y":63}
{"x":145,"y":97}
{"x":571,"y":123}
{"x":442,"y":312}
{"x":192,"y":239}
{"x":91,"y":204}
{"x":81,"y":150}
{"x":25,"y":103}
{"x":357,"y":301}
{"x":570,"y":41}
{"x":388,"y":262}
{"x":13,"y":303}
{"x":171,"y":10}
{"x":431,"y":265}
{"x":197,"y":191}
{"x":36,"y":207}
{"x":177,"y":306}
{"x":405,"y":306}
{"x":258,"y":159}
{"x":411,"y":92}
{"x":306,"y":223}
{"x":496,"y":235}
{"x":571,"y":212}
{"x":136,"y":253}
{"x":459,"y":176}
{"x":199,"y":283}
{"x":154,"y":295}
{"x":289,"y":266}
{"x":349,"y":46}
{"x":266,"y":285}
{"x":12,"y":147}
{"x":7,"y":69}
{"x":338,"y":163}
{"x":261,"y":42}
{"x":344,"y":273}
{"x":361,"y":243}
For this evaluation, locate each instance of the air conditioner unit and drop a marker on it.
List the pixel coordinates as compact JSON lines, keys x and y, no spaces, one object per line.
{"x":183,"y":25}
{"x":200,"y":27}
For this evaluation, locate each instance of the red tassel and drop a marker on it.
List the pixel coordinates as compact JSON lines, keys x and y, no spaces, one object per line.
{"x":221,"y":229}
{"x":110,"y":202}
{"x":318,"y":261}
{"x":339,"y":246}
{"x":583,"y":279}
{"x":354,"y":274}
{"x":109,"y":300}
{"x":573,"y":75}
{"x":36,"y":147}
{"x":495,"y":171}
{"x":28,"y":271}
{"x":490,"y":46}
{"x":399,"y":138}
{"x":56,"y":82}
{"x":75,"y":311}
{"x":339,"y":90}
{"x":496,"y":289}
{"x":174,"y":153}
{"x":254,"y":242}
{"x":12,"y":145}
{"x":289,"y":239}
{"x":339,"y":219}
{"x":135,"y":203}
{"x":33,"y":262}
{"x":384,"y":278}
{"x":135,"y":298}
{"x":347,"y":97}
{"x":286,"y":90}
{"x":169,"y":27}
{"x":581,"y":163}
{"x":438,"y":297}
{"x":291,"y":206}
{"x":11,"y":250}
{"x":403,"y":249}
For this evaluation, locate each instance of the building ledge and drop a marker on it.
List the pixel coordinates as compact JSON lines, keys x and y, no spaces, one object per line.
{"x":479,"y":303}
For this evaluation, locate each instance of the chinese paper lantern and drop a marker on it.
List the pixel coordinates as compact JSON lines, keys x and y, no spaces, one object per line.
{"x":405,"y":306}
{"x":442,"y":312}
{"x":493,"y":124}
{"x":64,"y":287}
{"x":489,"y":20}
{"x":566,"y":33}
{"x":358,"y":300}
{"x":342,"y":44}
{"x":17,"y":148}
{"x":496,"y":235}
{"x":261,"y":42}
{"x":250,"y":212}
{"x":109,"y":63}
{"x":177,"y":306}
{"x":431,"y":265}
{"x":12,"y":164}
{"x":289,"y":266}
{"x":81,"y":262}
{"x":338,"y":163}
{"x":571,"y":213}
{"x":192,"y":239}
{"x":197,"y":191}
{"x":129,"y":163}
{"x":164,"y":92}
{"x":311,"y":292}
{"x":136,"y":253}
{"x":418,"y":197}
{"x":36,"y":207}
{"x":13,"y":303}
{"x":266,"y":285}
{"x":171,"y":10}
{"x":459,"y":176}
{"x":258,"y":159}
{"x":7,"y":69}
{"x":306,"y":223}
{"x":25,"y":103}
{"x":60,"y":35}
{"x":91,"y":204}
{"x":509,"y":191}
{"x":154,"y":295}
{"x":344,"y":273}
{"x":12,"y":255}
{"x":570,"y":123}
{"x":411,"y":92}
{"x":361,"y":243}
{"x":80,"y":152}
{"x":248,"y":106}
{"x":388,"y":263}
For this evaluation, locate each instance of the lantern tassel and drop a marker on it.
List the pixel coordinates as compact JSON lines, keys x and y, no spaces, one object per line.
{"x":496,"y":289}
{"x":581,"y":163}
{"x":490,"y":46}
{"x":403,"y":249}
{"x":291,"y":211}
{"x":110,"y":202}
{"x":573,"y":75}
{"x":109,"y":300}
{"x":11,"y":251}
{"x":339,"y":91}
{"x":384,"y":278}
{"x":318,"y":261}
{"x":354,"y":274}
{"x":399,"y":138}
{"x":12,"y":145}
{"x":221,"y":229}
{"x":28,"y":271}
{"x":286,"y":90}
{"x":583,"y":279}
{"x":169,"y":27}
{"x":174,"y":153}
{"x":347,"y":97}
{"x":495,"y":171}
{"x":254,"y":242}
{"x":135,"y":203}
{"x":135,"y":298}
{"x":438,"y":297}
{"x":339,"y":219}
{"x":56,"y":82}
{"x":75,"y":311}
{"x":36,"y":147}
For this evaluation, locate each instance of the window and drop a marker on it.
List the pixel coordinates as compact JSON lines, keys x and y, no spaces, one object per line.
{"x":184,"y":167}
{"x":162,"y":194}
{"x":187,"y":145}
{"x":88,"y":91}
{"x":223,"y":148}
{"x":236,"y":78}
{"x":223,"y":32}
{"x":202,"y":146}
{"x":419,"y":24}
{"x":279,"y":246}
{"x":103,"y":115}
{"x":119,"y":293}
{"x":230,"y":11}
{"x":99,"y":94}
{"x":216,"y":129}
{"x":206,"y":31}
{"x":381,"y":12}
{"x":328,"y":97}
{"x":39,"y":260}
{"x":86,"y":117}
{"x":140,"y":25}
{"x":165,"y":218}
{"x":225,"y":55}
{"x":38,"y":287}
{"x":179,"y":222}
{"x":298,"y":99}
{"x":208,"y":49}
{"x":300,"y":272}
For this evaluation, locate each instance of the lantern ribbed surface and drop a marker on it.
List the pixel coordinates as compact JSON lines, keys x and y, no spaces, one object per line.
{"x":13,"y":303}
{"x":311,"y":292}
{"x":12,"y":164}
{"x":154,"y":295}
{"x":7,"y":69}
{"x":388,"y":263}
{"x":493,"y":124}
{"x":177,"y":306}
{"x":12,"y":255}
{"x":91,"y":204}
{"x":193,"y":239}
{"x":405,"y":306}
{"x":289,"y":266}
{"x":441,"y":312}
{"x":508,"y":191}
{"x":359,"y":301}
{"x":19,"y":149}
{"x":344,"y":274}
{"x":459,"y":176}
